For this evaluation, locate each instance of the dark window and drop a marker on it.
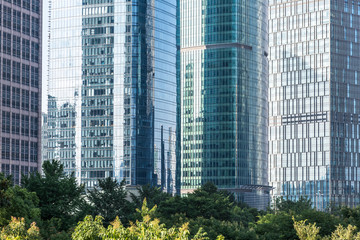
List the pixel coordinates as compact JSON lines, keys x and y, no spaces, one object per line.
{"x":35,"y":77}
{"x":15,"y":149}
{"x":34,"y":127}
{"x":35,"y":27}
{"x":7,"y":17}
{"x":26,"y":49}
{"x":16,"y":72}
{"x":24,"y":125}
{"x":6,"y":69}
{"x":26,"y":4}
{"x":5,"y":148}
{"x":34,"y":102}
{"x":17,"y":21}
{"x":16,"y":97}
{"x":7,"y":43}
{"x":35,"y":6}
{"x":34,"y":52}
{"x":5,"y":122}
{"x":17,"y":2}
{"x":33,"y":152}
{"x":24,"y":150}
{"x":15,"y":123}
{"x":25,"y":74}
{"x":16,"y":46}
{"x":25,"y":100}
{"x":6,"y":94}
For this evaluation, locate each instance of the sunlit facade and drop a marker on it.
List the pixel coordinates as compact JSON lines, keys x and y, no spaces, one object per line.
{"x":20,"y":87}
{"x":223,"y":94}
{"x":315,"y":101}
{"x":112,"y":90}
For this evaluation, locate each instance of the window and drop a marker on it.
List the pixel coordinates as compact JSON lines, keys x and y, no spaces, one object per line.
{"x":5,"y":148}
{"x":35,"y":28}
{"x":25,"y":100}
{"x":7,"y":43}
{"x":24,"y":150}
{"x":16,"y":97}
{"x":26,"y":4}
{"x":35,"y":77}
{"x":7,"y":17}
{"x":34,"y":52}
{"x":33,"y":152}
{"x":17,"y":21}
{"x":35,"y":6}
{"x":34,"y":127}
{"x":24,"y":125}
{"x":15,"y":123}
{"x":26,"y":49}
{"x":5,"y":122}
{"x":16,"y":72}
{"x":6,"y":69}
{"x":25,"y":74}
{"x":6,"y":94}
{"x":26,"y":24}
{"x":16,"y":46}
{"x":34,"y":107}
{"x":15,"y":149}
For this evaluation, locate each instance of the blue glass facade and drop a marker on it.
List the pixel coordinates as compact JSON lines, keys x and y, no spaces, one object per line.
{"x":314,"y":101}
{"x":223,"y":94}
{"x":112,"y":90}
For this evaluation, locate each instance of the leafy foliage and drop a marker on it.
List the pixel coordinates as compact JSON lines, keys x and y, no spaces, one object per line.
{"x":148,"y":228}
{"x":109,"y":201}
{"x":59,"y":194}
{"x":16,"y":231}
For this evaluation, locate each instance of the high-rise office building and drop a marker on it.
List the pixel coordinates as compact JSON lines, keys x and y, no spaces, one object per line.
{"x":112,"y":90}
{"x":315,"y":101}
{"x":20,"y":60}
{"x":223,"y":97}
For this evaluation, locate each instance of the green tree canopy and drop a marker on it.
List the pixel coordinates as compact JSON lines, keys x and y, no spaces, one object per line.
{"x":109,"y":201}
{"x":59,"y":194}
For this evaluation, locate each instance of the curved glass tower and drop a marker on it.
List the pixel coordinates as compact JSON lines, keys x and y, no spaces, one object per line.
{"x":112,"y":90}
{"x":223,"y":92}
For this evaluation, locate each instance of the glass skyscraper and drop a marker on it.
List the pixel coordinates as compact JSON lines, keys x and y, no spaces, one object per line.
{"x":112,"y":90}
{"x":315,"y":101}
{"x":223,"y":97}
{"x":20,"y":86}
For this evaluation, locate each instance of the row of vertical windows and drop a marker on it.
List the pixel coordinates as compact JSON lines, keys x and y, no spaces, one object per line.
{"x":35,"y":4}
{"x":10,"y":149}
{"x":29,"y":75}
{"x":15,"y":126}
{"x":20,"y":98}
{"x":13,"y":19}
{"x":29,"y":51}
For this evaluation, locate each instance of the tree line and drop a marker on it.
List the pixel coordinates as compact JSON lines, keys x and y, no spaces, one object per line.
{"x":53,"y":206}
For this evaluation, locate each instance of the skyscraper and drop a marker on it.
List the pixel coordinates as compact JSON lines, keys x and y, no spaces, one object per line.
{"x":315,"y":101}
{"x":20,"y":60}
{"x":112,"y":90}
{"x":223,"y":97}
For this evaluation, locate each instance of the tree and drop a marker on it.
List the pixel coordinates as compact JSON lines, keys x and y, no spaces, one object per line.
{"x":16,"y":231}
{"x":17,"y":202}
{"x":148,"y":228}
{"x":306,"y":231}
{"x":348,"y":233}
{"x":59,"y":195}
{"x":109,"y":201}
{"x":154,"y":196}
{"x":21,"y":203}
{"x":204,"y":202}
{"x":275,"y":226}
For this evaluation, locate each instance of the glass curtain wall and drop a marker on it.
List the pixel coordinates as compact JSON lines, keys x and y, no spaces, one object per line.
{"x":112,"y":94}
{"x":223,"y":90}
